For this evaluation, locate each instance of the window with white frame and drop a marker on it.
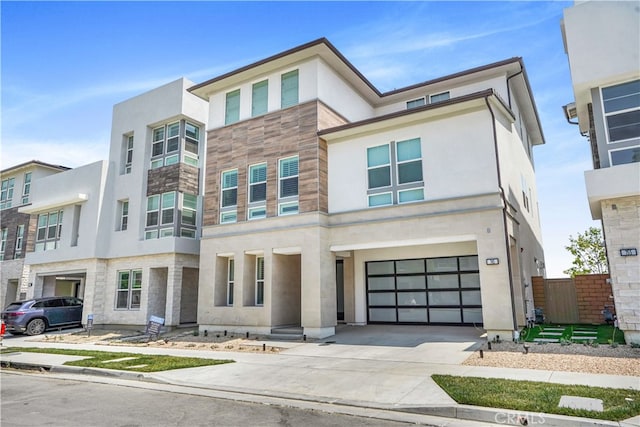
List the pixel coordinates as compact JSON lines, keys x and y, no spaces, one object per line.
{"x":438,"y":97}
{"x":257,"y":191}
{"x":124,"y":214}
{"x":625,"y":155}
{"x":188,"y":216}
{"x":173,"y":143}
{"x":3,"y":242}
{"x":19,"y":240}
{"x":129,"y":290}
{"x":259,"y":98}
{"x":230,"y":281}
{"x":415,"y":103}
{"x":128,"y":154}
{"x":232,"y":107}
{"x":259,"y":280}
{"x":229,"y":197}
{"x":26,"y":188}
{"x":160,"y":215}
{"x":394,"y":173}
{"x":288,"y":186}
{"x":621,"y":105}
{"x":6,"y":192}
{"x":525,"y":193}
{"x":289,"y":89}
{"x":48,"y":231}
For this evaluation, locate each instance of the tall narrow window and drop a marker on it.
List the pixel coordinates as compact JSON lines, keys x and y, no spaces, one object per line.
{"x":229,"y":196}
{"x":124,"y":214}
{"x":289,"y":95}
{"x":3,"y":242}
{"x":128,"y":161}
{"x":157,"y":147}
{"x":6,"y":193}
{"x":257,"y":191}
{"x":230,"y":281}
{"x":259,"y":98}
{"x":153,"y":216}
{"x":191,"y":142}
{"x":129,"y":289}
{"x":173,"y":137}
{"x":26,"y":188}
{"x":188,"y":216}
{"x":288,"y":186}
{"x":19,"y":240}
{"x":259,"y":280}
{"x":232,"y":107}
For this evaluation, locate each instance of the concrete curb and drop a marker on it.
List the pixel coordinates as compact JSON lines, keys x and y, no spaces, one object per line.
{"x":461,"y":412}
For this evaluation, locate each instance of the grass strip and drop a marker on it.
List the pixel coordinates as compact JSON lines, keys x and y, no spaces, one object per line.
{"x":97,"y":359}
{"x":605,"y":333}
{"x":539,"y":397}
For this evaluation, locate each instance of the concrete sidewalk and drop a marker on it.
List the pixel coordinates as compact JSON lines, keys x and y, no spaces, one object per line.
{"x":394,"y":374}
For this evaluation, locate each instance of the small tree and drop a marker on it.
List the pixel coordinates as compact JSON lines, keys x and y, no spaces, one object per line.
{"x":589,"y":253}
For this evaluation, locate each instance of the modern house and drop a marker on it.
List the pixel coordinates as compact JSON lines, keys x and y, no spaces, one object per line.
{"x":329,"y":201}
{"x":14,"y":226}
{"x":124,"y":233}
{"x":602,"y":41}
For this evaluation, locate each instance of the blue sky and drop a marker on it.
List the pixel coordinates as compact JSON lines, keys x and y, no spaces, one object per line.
{"x":64,"y":66}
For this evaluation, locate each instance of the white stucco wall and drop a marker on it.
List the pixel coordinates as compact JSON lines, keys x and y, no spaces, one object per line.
{"x":457,"y":160}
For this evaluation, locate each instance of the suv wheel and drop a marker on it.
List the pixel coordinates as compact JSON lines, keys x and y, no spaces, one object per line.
{"x":36,"y":327}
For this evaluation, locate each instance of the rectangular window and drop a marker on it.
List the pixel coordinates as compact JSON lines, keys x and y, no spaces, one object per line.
{"x":394,"y":173}
{"x":229,"y":196}
{"x":128,"y":160}
{"x":416,"y":103}
{"x":6,"y":193}
{"x":3,"y":242}
{"x":621,"y":104}
{"x":230,"y":281}
{"x":26,"y":189}
{"x":191,"y":143}
{"x":124,"y":214}
{"x":232,"y":107}
{"x":288,"y":185}
{"x":153,"y":208}
{"x":157,"y":145}
{"x":19,"y":239}
{"x":168,"y":208}
{"x":129,"y":289}
{"x":259,"y":280}
{"x":48,"y":231}
{"x":289,"y":94}
{"x":259,"y":98}
{"x":173,"y":137}
{"x":188,"y":216}
{"x":175,"y":142}
{"x":160,"y":219}
{"x":624,"y":156}
{"x":257,"y":191}
{"x":439,"y":97}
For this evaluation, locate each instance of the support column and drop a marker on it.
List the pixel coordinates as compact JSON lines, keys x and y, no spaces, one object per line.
{"x":174,"y":291}
{"x":318,"y":290}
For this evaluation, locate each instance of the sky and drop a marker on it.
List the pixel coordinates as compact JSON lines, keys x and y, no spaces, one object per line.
{"x":65,"y":64}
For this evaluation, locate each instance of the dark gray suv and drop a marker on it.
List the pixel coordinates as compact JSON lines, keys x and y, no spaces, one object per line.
{"x":34,"y":316}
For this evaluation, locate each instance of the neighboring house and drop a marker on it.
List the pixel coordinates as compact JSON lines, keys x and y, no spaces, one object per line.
{"x":17,"y":182}
{"x":602,"y":41}
{"x":128,"y":228}
{"x":328,"y":201}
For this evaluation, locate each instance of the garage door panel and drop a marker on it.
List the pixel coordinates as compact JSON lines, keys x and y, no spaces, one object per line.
{"x":442,"y":281}
{"x":412,"y":315}
{"x":412,"y":298}
{"x":382,"y":315}
{"x":444,"y":315}
{"x":410,"y":282}
{"x":381,"y":283}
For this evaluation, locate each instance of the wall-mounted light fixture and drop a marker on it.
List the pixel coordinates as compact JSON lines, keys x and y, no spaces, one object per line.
{"x":493,"y":261}
{"x":629,"y":252}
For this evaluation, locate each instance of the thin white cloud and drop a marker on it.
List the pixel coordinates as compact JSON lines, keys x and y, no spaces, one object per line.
{"x":70,"y":153}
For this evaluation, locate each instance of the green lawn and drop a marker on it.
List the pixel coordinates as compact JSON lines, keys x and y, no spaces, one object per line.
{"x":604,"y":333}
{"x":538,"y":396}
{"x":100,"y":359}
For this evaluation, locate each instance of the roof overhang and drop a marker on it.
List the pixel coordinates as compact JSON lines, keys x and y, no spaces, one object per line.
{"x":54,"y":203}
{"x":31,"y":164}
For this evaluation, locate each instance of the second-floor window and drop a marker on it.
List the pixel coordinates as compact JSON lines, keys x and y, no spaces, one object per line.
{"x":621,"y":105}
{"x":394,"y":173}
{"x":259,"y":98}
{"x":3,"y":242}
{"x":124,"y":215}
{"x":188,"y":216}
{"x":48,"y":231}
{"x":128,"y":155}
{"x":229,"y":197}
{"x":6,"y":193}
{"x":288,"y":186}
{"x":232,"y":107}
{"x":26,"y":188}
{"x":19,"y":240}
{"x":160,"y":215}
{"x":257,"y":191}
